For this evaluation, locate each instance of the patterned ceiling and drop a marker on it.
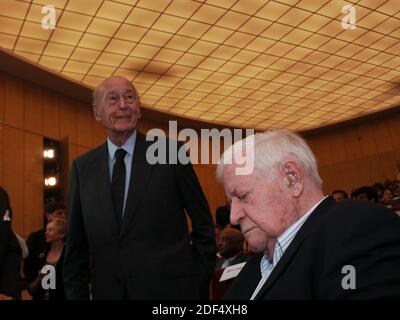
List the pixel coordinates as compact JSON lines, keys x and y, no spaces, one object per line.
{"x":243,"y":63}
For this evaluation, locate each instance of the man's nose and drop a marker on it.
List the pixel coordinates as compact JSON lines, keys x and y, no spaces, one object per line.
{"x":122,"y":103}
{"x":236,"y":212}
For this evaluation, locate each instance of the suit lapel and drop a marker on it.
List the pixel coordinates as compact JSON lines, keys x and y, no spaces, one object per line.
{"x":103,"y":182}
{"x":140,"y":174}
{"x":294,"y":246}
{"x":244,"y":285}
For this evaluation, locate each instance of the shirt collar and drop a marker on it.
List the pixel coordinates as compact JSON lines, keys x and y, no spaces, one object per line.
{"x":284,"y":240}
{"x":128,"y":146}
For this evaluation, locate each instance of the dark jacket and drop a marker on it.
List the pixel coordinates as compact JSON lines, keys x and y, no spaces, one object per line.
{"x":335,"y":236}
{"x":37,"y":247}
{"x":153,"y":256}
{"x":10,"y":261}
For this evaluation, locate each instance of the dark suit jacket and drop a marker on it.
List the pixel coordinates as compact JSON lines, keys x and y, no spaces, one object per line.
{"x":38,"y":248}
{"x":10,"y":261}
{"x":357,"y":233}
{"x":153,"y":256}
{"x":222,"y":216}
{"x":58,"y":293}
{"x":239,"y":259}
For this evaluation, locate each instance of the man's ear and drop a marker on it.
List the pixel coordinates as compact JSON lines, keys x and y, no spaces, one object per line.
{"x":293,"y":175}
{"x":96,"y":112}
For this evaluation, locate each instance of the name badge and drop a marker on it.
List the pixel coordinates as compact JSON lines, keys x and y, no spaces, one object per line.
{"x":232,"y":271}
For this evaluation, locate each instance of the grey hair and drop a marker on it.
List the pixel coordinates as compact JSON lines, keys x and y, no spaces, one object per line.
{"x":98,"y":93}
{"x":270,"y":149}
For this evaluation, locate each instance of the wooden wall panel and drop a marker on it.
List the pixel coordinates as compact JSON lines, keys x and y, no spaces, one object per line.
{"x":99,"y":134}
{"x":14,"y":102}
{"x":13,"y":173}
{"x":68,"y":119}
{"x":213,"y":191}
{"x":2,"y":95}
{"x":351,"y":144}
{"x":366,"y":140}
{"x":50,"y":115}
{"x":84,"y":117}
{"x":337,"y":176}
{"x":387,"y":163}
{"x":359,"y":172}
{"x":336,"y":143}
{"x":360,"y":154}
{"x":384,"y":141}
{"x":216,"y":193}
{"x":32,"y":108}
{"x":33,"y":183}
{"x":77,"y":150}
{"x":201,"y":173}
{"x":321,"y":149}
{"x":393,"y":124}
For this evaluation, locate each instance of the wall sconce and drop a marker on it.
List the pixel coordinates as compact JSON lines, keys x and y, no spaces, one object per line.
{"x":50,"y":181}
{"x":49,"y":153}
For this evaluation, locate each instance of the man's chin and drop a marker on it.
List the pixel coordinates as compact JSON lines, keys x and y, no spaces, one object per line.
{"x":124,"y":129}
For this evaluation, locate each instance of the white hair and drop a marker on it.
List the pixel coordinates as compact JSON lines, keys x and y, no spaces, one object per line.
{"x":98,"y":94}
{"x":270,"y":149}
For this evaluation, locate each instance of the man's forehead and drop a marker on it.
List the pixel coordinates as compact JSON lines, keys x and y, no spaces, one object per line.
{"x":119,"y":87}
{"x":117,"y":83}
{"x":230,"y":172}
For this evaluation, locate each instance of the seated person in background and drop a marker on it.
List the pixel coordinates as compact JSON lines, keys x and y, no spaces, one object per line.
{"x":37,"y":240}
{"x":387,"y":197}
{"x":365,"y":193}
{"x":230,"y":247}
{"x":339,"y":195}
{"x":378,"y":187}
{"x":230,"y":250}
{"x":10,"y":252}
{"x":56,"y":230}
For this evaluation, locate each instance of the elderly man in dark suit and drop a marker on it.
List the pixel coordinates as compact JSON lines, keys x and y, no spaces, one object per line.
{"x":310,"y":247}
{"x":127,"y":232}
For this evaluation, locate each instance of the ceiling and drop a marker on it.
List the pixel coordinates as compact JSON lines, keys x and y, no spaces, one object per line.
{"x":241,"y":63}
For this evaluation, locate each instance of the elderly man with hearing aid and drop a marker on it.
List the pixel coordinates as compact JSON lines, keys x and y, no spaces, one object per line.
{"x":309,"y":246}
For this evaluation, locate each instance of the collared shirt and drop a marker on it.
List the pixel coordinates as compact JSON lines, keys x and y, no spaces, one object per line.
{"x":129,"y":147}
{"x":227,"y":262}
{"x":268,"y":264}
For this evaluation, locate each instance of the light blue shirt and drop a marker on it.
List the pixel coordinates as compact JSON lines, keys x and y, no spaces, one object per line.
{"x":268,"y":264}
{"x":129,"y":147}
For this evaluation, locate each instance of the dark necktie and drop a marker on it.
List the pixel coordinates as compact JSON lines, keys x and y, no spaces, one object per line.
{"x":118,"y":184}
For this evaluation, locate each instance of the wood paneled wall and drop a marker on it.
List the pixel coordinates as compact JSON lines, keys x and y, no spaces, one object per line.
{"x":348,"y":157}
{"x":360,"y":154}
